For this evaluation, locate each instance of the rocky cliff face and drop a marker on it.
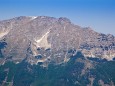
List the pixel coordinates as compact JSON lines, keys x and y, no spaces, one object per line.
{"x":47,"y":39}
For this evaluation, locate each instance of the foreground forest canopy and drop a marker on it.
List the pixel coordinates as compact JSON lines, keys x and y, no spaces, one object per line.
{"x":72,"y":73}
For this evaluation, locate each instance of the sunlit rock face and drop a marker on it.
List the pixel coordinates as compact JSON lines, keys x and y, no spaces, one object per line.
{"x":48,"y":39}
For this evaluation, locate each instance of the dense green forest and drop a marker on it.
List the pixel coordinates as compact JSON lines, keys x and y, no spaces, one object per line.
{"x":66,"y":74}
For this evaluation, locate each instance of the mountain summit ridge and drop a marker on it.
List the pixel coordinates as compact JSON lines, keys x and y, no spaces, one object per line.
{"x":48,"y":39}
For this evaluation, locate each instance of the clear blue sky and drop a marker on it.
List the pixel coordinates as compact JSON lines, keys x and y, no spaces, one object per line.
{"x":98,"y":14}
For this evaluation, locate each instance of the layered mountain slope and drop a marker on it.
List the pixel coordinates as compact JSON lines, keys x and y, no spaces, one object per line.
{"x":47,"y":39}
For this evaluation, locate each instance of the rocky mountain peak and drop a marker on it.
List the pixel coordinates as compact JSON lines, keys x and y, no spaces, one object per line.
{"x":64,"y":19}
{"x":48,"y":39}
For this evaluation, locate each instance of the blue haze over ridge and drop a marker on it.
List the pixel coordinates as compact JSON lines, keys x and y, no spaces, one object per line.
{"x":97,"y":14}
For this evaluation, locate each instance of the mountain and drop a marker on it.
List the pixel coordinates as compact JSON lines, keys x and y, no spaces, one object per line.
{"x":45,"y":39}
{"x":37,"y":48}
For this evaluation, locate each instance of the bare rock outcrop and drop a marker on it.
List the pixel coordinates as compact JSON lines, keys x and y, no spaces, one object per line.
{"x":48,"y":39}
